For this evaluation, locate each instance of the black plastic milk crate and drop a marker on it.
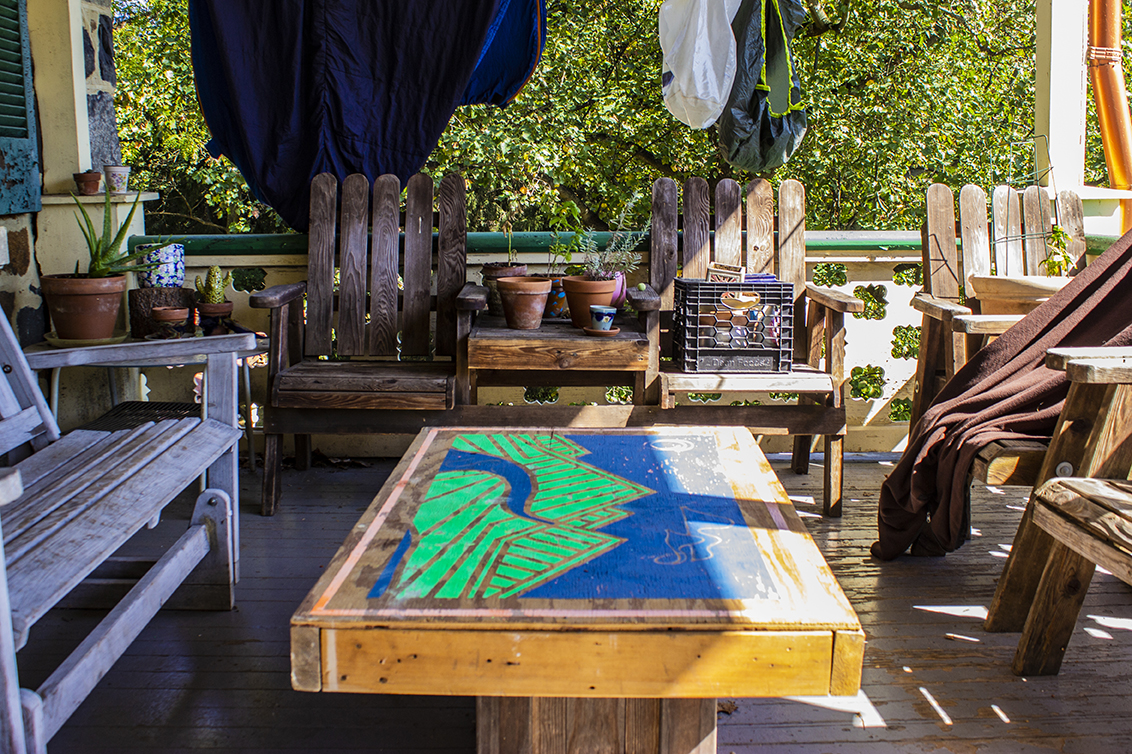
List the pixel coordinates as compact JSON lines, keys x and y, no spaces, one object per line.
{"x":733,"y":327}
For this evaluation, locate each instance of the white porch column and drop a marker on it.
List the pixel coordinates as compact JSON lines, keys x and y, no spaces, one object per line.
{"x":1061,"y":92}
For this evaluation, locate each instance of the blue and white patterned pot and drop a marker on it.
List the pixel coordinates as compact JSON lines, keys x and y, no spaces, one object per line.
{"x":170,"y":272}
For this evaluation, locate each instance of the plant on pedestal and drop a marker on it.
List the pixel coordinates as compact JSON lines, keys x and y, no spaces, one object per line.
{"x":211,"y":301}
{"x":604,"y":271}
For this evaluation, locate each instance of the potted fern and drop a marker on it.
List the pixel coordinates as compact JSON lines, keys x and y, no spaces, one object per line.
{"x":84,"y":306}
{"x":604,"y":270}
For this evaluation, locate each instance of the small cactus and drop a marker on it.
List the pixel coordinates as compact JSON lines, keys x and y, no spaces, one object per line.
{"x":211,"y":291}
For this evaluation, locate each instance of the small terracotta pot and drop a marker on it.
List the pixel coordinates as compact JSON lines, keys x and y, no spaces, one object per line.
{"x":87,"y":183}
{"x":491,"y":272}
{"x":582,"y":293}
{"x":212,"y":317}
{"x":169,"y":314}
{"x":83,"y":308}
{"x":523,"y":299}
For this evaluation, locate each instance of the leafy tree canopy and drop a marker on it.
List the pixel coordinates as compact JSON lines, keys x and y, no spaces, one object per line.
{"x":900,"y":93}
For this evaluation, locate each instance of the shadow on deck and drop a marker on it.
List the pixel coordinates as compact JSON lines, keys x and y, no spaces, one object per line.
{"x":934,"y":680}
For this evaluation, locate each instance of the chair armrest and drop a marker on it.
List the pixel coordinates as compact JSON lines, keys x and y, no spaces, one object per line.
{"x":1101,"y":371}
{"x":836,"y":300}
{"x":277,"y":295}
{"x":159,"y":351}
{"x":985,"y":324}
{"x":647,"y":300}
{"x":472,"y":298}
{"x":937,"y":308}
{"x":1057,"y":358}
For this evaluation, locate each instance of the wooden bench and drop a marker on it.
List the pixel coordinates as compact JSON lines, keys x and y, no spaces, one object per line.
{"x":77,"y":499}
{"x":1075,"y":518}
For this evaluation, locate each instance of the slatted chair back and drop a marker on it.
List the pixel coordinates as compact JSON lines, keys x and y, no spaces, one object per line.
{"x":1015,"y":242}
{"x":24,"y":415}
{"x":756,"y":251}
{"x":356,"y":237}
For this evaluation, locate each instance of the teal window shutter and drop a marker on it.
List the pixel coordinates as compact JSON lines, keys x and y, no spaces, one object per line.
{"x":19,"y":152}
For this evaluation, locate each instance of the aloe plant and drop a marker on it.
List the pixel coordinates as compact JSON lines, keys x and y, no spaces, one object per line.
{"x":106,"y":256}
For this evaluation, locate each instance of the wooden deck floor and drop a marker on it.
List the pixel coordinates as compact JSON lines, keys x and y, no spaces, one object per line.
{"x":220,"y":681}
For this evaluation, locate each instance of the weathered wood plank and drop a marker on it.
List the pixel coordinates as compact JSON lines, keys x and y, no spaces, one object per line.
{"x":451,"y":272}
{"x":341,"y":399}
{"x":697,"y":241}
{"x":760,"y":226}
{"x":663,"y":240}
{"x":384,"y":245}
{"x":320,"y":264}
{"x":1009,"y":258}
{"x":1036,"y":217}
{"x":973,"y":233}
{"x":353,"y":232}
{"x":941,"y":262}
{"x":417,"y":275}
{"x":728,"y":223}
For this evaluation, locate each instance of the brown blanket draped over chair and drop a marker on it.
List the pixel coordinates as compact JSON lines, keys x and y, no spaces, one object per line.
{"x":1004,"y":392}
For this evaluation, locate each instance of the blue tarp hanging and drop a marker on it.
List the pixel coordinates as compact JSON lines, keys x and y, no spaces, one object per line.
{"x":512,"y":50}
{"x":293,"y":88}
{"x":763,"y":122}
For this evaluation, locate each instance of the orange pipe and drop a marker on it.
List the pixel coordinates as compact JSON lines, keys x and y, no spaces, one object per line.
{"x":1106,"y":74}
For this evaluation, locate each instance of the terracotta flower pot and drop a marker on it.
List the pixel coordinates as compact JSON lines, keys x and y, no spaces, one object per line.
{"x":169,"y":314}
{"x":491,"y":272}
{"x":581,"y":293}
{"x":212,"y":317}
{"x":83,"y":308}
{"x":87,"y":183}
{"x":523,"y":299}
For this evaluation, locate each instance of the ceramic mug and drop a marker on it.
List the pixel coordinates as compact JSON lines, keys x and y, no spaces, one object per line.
{"x":601,"y":317}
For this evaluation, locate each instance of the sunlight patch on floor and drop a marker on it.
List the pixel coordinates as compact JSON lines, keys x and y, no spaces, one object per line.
{"x":865,"y":715}
{"x":960,"y":611}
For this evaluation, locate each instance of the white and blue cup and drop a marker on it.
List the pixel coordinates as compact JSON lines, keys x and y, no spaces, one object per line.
{"x":601,"y":317}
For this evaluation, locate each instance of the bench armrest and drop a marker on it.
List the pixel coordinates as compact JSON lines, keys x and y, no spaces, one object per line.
{"x":937,"y":308}
{"x":1101,"y":371}
{"x":985,"y":324}
{"x":647,"y":300}
{"x":836,"y":300}
{"x":156,"y":350}
{"x":472,"y":298}
{"x":276,"y":295}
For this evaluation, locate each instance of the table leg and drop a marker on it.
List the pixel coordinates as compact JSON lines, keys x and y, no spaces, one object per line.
{"x":555,"y":725}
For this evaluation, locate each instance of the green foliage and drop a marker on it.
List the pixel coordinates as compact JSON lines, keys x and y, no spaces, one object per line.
{"x":163,"y":132}
{"x":906,"y":342}
{"x":106,"y":256}
{"x":875,"y":297}
{"x":829,"y":274}
{"x":787,"y":397}
{"x":910,"y":274}
{"x":900,"y":410}
{"x":1058,"y":261}
{"x":619,"y":253}
{"x":211,"y":289}
{"x":898,"y":95}
{"x":249,"y":279}
{"x":565,"y":219}
{"x":748,"y":402}
{"x":867,"y":382}
{"x":622,"y":394}
{"x":540,"y":394}
{"x":704,"y":397}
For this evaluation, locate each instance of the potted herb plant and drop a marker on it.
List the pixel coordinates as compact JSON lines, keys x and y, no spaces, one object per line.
{"x":84,"y":305}
{"x":492,"y":271}
{"x":604,"y":271}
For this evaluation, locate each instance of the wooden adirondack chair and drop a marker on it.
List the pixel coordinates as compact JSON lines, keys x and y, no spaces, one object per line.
{"x":1004,"y":265}
{"x":819,"y":313}
{"x":1077,"y":520}
{"x":376,"y":335}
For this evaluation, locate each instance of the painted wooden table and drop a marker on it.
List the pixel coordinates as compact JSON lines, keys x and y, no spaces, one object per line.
{"x":596,"y":589}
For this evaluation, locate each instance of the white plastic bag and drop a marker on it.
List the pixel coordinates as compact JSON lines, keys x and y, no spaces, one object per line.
{"x":699,"y":58}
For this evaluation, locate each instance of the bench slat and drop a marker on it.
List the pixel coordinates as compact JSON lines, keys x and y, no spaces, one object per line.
{"x":62,"y":498}
{"x":20,"y":428}
{"x":35,"y":467}
{"x":37,"y":581}
{"x":411,"y":378}
{"x":1097,"y":510}
{"x":802,"y":379}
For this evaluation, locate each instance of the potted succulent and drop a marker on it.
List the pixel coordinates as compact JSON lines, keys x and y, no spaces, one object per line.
{"x":85,"y":305}
{"x":211,"y":301}
{"x":604,"y":271}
